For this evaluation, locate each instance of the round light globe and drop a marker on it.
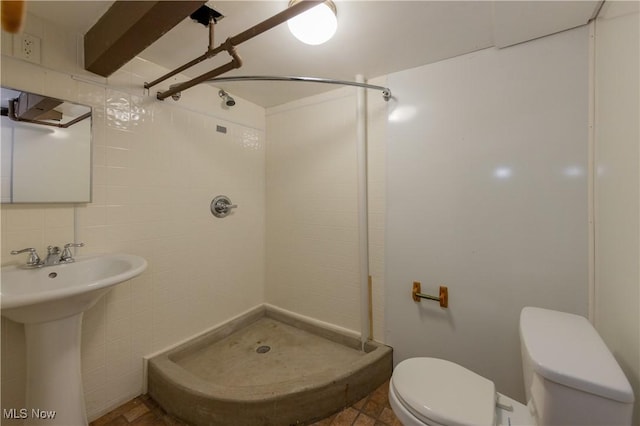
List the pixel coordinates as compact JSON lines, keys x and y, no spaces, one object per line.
{"x":315,"y":26}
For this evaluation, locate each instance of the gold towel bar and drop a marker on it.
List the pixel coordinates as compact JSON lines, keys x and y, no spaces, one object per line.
{"x":443,"y":298}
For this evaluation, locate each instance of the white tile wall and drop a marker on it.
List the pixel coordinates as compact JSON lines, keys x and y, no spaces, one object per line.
{"x":156,"y":168}
{"x":312,"y":229}
{"x":312,"y":257}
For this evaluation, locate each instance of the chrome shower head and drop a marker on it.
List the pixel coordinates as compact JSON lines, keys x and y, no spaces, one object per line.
{"x":228,"y":100}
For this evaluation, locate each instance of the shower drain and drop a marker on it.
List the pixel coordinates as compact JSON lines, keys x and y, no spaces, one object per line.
{"x":263,"y":349}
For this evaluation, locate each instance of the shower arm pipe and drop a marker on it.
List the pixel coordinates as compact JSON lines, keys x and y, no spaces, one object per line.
{"x":236,"y":62}
{"x":386,"y":92}
{"x":267,"y":24}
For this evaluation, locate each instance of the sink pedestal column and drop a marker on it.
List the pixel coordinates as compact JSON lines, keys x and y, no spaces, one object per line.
{"x":54,"y":374}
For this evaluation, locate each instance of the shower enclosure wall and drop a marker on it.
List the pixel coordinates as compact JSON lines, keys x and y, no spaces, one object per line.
{"x":314,"y":269}
{"x":312,"y":209}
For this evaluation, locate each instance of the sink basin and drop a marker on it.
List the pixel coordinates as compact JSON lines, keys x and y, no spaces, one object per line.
{"x":50,"y":301}
{"x":53,"y":292}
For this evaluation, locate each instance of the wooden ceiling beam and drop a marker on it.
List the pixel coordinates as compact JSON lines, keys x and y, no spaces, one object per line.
{"x":129,"y":27}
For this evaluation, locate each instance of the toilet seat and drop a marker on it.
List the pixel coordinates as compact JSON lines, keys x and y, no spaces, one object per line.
{"x":438,"y":391}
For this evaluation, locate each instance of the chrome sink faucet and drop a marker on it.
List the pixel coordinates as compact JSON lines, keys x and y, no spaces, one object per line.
{"x":54,"y":256}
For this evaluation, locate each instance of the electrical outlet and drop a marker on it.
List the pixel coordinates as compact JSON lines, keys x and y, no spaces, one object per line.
{"x":27,"y":47}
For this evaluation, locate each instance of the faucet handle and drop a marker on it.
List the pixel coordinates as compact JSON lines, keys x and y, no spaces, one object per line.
{"x":33,"y":259}
{"x":66,"y":253}
{"x":73,"y":245}
{"x":221,"y":206}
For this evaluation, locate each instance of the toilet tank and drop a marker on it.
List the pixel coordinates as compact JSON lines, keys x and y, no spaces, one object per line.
{"x":570,"y":376}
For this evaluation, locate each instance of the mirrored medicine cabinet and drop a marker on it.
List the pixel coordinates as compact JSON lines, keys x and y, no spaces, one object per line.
{"x":45,"y":154}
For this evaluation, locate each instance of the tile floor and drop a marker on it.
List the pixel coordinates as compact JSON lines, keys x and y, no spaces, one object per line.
{"x":373,"y":410}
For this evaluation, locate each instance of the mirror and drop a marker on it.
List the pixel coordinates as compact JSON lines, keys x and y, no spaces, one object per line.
{"x":45,"y":153}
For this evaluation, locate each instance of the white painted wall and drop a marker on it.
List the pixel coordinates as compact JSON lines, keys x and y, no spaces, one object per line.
{"x":617,"y":185}
{"x":487,"y":194}
{"x":156,"y":168}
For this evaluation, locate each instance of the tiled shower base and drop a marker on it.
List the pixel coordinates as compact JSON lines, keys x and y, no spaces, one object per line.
{"x":266,"y":368}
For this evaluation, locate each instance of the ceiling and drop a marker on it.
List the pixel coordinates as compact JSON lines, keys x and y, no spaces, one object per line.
{"x":374,"y":38}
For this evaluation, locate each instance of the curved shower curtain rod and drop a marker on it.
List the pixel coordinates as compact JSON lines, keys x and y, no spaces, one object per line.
{"x":386,"y":92}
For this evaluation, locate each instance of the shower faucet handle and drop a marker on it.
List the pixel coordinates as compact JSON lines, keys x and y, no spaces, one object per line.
{"x":221,"y":206}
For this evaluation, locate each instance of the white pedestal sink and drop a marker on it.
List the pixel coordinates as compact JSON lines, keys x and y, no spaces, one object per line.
{"x":50,"y":302}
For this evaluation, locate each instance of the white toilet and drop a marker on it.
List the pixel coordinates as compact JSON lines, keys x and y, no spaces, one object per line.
{"x":570,"y":376}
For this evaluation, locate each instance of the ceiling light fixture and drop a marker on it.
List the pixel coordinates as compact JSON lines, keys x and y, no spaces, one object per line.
{"x":315,"y":26}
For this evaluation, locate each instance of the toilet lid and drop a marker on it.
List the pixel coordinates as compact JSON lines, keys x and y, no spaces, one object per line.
{"x":436,"y":390}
